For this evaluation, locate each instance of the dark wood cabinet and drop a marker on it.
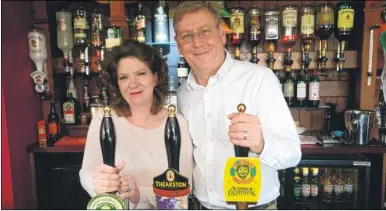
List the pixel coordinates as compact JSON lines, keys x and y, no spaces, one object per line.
{"x":57,"y":181}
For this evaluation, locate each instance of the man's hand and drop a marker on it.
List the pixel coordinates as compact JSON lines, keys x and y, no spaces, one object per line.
{"x":245,"y":130}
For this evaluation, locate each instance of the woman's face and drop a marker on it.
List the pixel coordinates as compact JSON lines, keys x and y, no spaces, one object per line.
{"x":136,"y":82}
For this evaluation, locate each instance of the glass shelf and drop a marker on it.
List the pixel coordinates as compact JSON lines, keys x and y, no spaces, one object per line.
{"x":166,"y":43}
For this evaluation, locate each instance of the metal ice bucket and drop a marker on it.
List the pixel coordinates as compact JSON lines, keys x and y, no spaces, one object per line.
{"x":359,"y":126}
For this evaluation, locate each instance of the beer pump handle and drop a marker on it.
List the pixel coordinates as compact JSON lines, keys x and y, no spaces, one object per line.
{"x":239,"y":150}
{"x":173,"y":139}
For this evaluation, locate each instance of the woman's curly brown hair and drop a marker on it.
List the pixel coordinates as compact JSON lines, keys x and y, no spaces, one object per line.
{"x":152,"y":59}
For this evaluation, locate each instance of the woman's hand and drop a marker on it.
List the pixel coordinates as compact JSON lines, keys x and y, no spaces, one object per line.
{"x":107,"y":178}
{"x":129,"y":189}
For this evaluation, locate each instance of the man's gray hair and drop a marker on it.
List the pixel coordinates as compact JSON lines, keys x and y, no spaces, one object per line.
{"x":194,"y":6}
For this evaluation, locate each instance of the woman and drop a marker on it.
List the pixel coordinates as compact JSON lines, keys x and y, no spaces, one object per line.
{"x":137,"y":81}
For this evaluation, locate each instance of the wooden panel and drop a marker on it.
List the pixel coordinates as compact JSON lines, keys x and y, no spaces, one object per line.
{"x":306,"y":118}
{"x":317,"y":120}
{"x":295,"y":114}
{"x":342,"y":104}
{"x":334,"y":88}
{"x":117,"y":17}
{"x":367,"y":92}
{"x":374,"y":4}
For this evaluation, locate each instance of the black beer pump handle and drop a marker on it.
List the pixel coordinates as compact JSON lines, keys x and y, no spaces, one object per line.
{"x":173,"y":139}
{"x":239,"y":150}
{"x":108,"y":138}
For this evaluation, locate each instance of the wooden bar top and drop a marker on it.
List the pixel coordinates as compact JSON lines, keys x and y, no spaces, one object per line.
{"x":306,"y":150}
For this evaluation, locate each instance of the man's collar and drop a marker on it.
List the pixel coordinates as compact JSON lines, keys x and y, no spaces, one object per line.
{"x":221,"y":73}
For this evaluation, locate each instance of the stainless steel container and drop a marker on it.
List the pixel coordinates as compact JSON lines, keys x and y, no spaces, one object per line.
{"x":359,"y":126}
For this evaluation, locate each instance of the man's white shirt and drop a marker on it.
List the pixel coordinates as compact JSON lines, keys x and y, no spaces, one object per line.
{"x":206,"y":110}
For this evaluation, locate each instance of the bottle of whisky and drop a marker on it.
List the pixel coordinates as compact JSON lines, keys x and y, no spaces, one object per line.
{"x":289,"y":25}
{"x":255,"y":30}
{"x":324,"y":28}
{"x":161,"y":22}
{"x":307,"y":29}
{"x":97,"y":34}
{"x":237,"y":26}
{"x":344,"y":17}
{"x":113,"y":37}
{"x":81,"y":28}
{"x":271,"y":34}
{"x":140,"y":21}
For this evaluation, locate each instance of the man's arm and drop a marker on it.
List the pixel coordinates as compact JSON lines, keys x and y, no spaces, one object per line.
{"x":281,"y":142}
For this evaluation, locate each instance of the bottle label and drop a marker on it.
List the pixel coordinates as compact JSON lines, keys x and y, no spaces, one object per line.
{"x":237,"y":22}
{"x":348,"y":188}
{"x":80,"y":35}
{"x":306,"y":190}
{"x":37,"y":44}
{"x":161,"y":26}
{"x":141,"y":39}
{"x":69,"y":112}
{"x":255,"y":27}
{"x":307,"y":24}
{"x":297,"y":190}
{"x":346,"y":18}
{"x":182,"y":72}
{"x":96,"y":38}
{"x":62,"y":25}
{"x":338,"y":189}
{"x":38,"y":77}
{"x":301,"y":91}
{"x":288,"y":89}
{"x":272,"y":27}
{"x":52,"y":128}
{"x":314,"y":91}
{"x":80,"y":23}
{"x":326,"y":16}
{"x":314,"y":190}
{"x":111,"y":42}
{"x":328,"y":189}
{"x":140,"y":24}
{"x":289,"y":18}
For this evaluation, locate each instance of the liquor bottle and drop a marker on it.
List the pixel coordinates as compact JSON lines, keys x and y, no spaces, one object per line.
{"x":297,"y":185}
{"x":140,"y":21}
{"x":271,"y":34}
{"x":338,"y":186}
{"x":71,"y":87}
{"x":277,"y":73}
{"x":71,"y":110}
{"x":289,"y":14}
{"x":86,"y":98}
{"x":255,"y":30}
{"x":173,"y":139}
{"x":81,"y":31}
{"x":53,"y":126}
{"x":237,"y":26}
{"x":324,"y":28}
{"x":38,"y":54}
{"x":97,"y":34}
{"x":315,"y":185}
{"x":306,"y":186}
{"x":65,"y":38}
{"x":161,"y":22}
{"x":182,"y":70}
{"x":348,"y":185}
{"x":301,"y":89}
{"x":314,"y":91}
{"x":328,"y":186}
{"x":289,"y":88}
{"x":113,"y":37}
{"x":107,"y":137}
{"x":307,"y":31}
{"x":344,"y":15}
{"x":105,"y":95}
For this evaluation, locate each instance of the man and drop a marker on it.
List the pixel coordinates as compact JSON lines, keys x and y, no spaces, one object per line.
{"x":209,"y":99}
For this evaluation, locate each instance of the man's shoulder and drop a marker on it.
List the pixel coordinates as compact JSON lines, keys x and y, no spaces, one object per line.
{"x":250,"y":70}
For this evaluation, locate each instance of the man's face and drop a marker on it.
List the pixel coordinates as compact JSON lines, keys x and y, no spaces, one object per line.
{"x":200,"y":40}
{"x":242,"y":171}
